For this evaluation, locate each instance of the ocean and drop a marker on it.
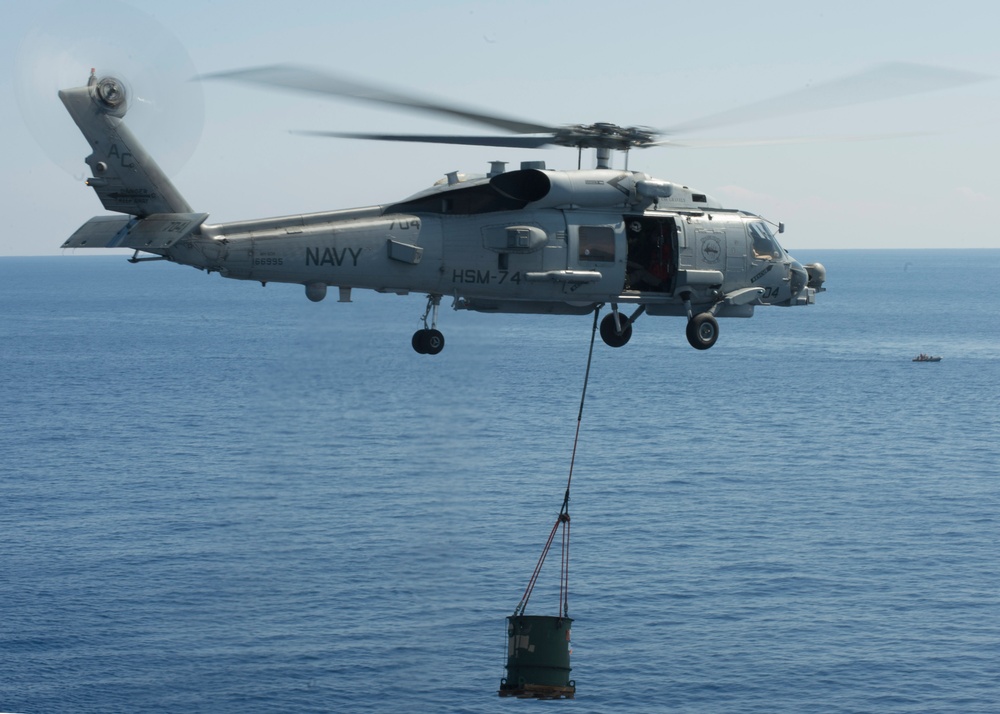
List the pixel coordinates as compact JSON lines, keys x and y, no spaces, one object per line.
{"x":220,"y":497}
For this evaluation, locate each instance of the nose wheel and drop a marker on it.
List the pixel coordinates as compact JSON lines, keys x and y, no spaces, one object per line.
{"x":429,"y":341}
{"x":702,"y":331}
{"x":703,"y":328}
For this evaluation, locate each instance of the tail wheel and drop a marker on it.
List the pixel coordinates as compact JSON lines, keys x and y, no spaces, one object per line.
{"x":427,"y":342}
{"x":609,"y":333}
{"x":702,"y":331}
{"x":418,"y":342}
{"x":433,"y":341}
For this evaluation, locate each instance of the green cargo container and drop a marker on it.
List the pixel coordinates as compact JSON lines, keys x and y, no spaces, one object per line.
{"x":538,"y":657}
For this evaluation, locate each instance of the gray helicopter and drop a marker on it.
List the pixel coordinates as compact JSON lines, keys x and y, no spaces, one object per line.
{"x":531,"y":240}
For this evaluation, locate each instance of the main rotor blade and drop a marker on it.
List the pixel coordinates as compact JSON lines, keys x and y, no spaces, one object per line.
{"x":886,"y":81}
{"x":727,"y":143}
{"x":518,"y":142}
{"x":305,"y":79}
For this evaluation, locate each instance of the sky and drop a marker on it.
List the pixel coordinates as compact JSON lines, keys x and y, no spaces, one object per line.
{"x":230,"y":151}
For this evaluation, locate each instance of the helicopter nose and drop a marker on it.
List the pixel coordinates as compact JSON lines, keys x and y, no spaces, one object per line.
{"x":817,"y":275}
{"x":799,"y":277}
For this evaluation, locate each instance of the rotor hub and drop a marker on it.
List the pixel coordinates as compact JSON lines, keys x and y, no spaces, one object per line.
{"x":604,"y":135}
{"x":111,"y":92}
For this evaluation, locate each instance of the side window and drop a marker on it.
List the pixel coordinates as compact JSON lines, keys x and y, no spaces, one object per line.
{"x":597,"y":243}
{"x":764,"y":245}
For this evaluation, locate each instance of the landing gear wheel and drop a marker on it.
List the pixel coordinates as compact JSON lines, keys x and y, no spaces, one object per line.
{"x":427,"y":342}
{"x":702,"y":331}
{"x":610,"y":334}
{"x":418,"y":342}
{"x":433,"y":341}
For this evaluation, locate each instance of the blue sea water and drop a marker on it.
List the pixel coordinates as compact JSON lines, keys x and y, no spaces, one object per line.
{"x":217,"y":497}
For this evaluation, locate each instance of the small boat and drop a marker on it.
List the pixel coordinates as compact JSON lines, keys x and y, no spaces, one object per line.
{"x":926,"y":358}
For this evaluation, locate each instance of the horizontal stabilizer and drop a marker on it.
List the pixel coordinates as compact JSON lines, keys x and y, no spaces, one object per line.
{"x":152,"y":234}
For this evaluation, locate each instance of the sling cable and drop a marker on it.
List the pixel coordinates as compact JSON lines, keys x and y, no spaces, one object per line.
{"x":538,"y":646}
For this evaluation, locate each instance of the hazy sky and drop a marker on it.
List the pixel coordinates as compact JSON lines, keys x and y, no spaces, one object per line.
{"x":655,"y":64}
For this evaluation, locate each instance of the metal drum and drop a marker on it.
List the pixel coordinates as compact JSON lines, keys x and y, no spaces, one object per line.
{"x":538,"y":650}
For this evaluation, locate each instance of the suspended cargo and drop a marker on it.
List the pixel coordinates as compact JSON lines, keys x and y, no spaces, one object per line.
{"x":538,"y":649}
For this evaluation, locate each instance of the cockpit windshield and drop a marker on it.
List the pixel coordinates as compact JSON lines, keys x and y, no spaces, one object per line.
{"x":764,"y":243}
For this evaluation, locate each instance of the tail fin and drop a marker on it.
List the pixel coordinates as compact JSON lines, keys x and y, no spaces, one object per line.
{"x":125,"y":177}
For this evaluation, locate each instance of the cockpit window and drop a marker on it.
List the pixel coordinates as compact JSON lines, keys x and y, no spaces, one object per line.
{"x":764,"y":244}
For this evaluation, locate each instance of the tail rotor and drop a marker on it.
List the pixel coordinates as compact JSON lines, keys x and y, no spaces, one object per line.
{"x":133,"y":54}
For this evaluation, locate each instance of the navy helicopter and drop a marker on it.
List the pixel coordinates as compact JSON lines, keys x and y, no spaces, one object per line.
{"x":530,"y":240}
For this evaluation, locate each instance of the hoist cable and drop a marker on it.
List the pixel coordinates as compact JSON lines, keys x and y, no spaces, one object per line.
{"x":583,"y":398}
{"x":521,"y":606}
{"x":563,"y":519}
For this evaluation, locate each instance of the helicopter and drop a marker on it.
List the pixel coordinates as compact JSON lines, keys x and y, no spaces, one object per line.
{"x":527,"y":240}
